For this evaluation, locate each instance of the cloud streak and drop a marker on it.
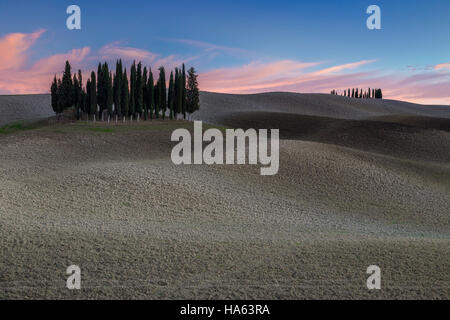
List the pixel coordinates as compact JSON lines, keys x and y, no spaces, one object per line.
{"x":422,"y":85}
{"x":427,"y":87}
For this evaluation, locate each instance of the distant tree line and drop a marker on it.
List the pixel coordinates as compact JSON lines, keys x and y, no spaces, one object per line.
{"x":360,"y":94}
{"x":109,"y":94}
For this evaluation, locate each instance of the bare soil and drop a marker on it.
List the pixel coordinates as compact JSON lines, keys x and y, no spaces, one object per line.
{"x":351,"y":192}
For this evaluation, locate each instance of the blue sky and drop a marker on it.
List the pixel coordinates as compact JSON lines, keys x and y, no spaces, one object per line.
{"x":232,"y":35}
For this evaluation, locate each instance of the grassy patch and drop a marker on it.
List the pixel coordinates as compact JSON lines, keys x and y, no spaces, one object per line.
{"x":22,"y":126}
{"x":101,"y":129}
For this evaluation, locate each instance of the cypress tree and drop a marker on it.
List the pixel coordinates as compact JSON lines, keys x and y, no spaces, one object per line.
{"x":125,"y":94}
{"x":139,"y":90}
{"x":192,"y":94}
{"x":132,"y":106}
{"x":87,"y":107}
{"x":179,"y":91}
{"x":176,"y":87}
{"x":171,"y":95}
{"x":100,"y":88}
{"x":151,"y":94}
{"x":156,"y":93}
{"x":76,"y":95}
{"x":109,"y":94}
{"x":162,"y":91}
{"x":183,"y":92}
{"x":93,"y":99}
{"x":65,"y":98}
{"x":145,"y":92}
{"x":54,"y":95}
{"x":117,"y":85}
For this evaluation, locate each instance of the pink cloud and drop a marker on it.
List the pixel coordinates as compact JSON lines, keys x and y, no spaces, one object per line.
{"x":17,"y":77}
{"x":14,"y":47}
{"x":426,"y":87}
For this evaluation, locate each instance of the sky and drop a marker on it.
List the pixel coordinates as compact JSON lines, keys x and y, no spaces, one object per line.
{"x":237,"y":46}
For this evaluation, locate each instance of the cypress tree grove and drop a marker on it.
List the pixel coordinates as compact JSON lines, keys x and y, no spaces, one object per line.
{"x":192,"y":94}
{"x":125,"y":94}
{"x":162,"y":91}
{"x":132,"y":106}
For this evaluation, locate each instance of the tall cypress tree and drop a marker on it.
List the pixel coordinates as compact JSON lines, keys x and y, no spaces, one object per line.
{"x":54,"y":95}
{"x":183,"y":92}
{"x":132,"y":106}
{"x":170,"y":98}
{"x":176,"y":86}
{"x":139,"y":90}
{"x":100,"y":88}
{"x":93,"y":100}
{"x":76,"y":95}
{"x":109,"y":94}
{"x":151,"y":94}
{"x":65,"y":99}
{"x":145,"y":92}
{"x":179,"y":92}
{"x":156,"y":93}
{"x":87,"y":107}
{"x":162,"y":96}
{"x":117,"y":85}
{"x":192,"y":94}
{"x":125,"y":94}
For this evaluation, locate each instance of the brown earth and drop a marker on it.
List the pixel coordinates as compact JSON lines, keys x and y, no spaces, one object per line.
{"x":356,"y":187}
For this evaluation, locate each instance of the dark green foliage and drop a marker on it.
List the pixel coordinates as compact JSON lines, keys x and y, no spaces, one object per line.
{"x":378,"y":94}
{"x":117,"y":88}
{"x":171,"y":95}
{"x":162,"y":91}
{"x":156,"y":93}
{"x":76,"y":95}
{"x":87,"y":104}
{"x":125,"y":94}
{"x":139,"y":95}
{"x":132,"y":106}
{"x":93,"y":95}
{"x":183,"y":91}
{"x":54,"y":95}
{"x":192,"y":92}
{"x":139,"y":99}
{"x":150,"y":94}
{"x":145,"y":92}
{"x":109,"y":94}
{"x":65,"y":96}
